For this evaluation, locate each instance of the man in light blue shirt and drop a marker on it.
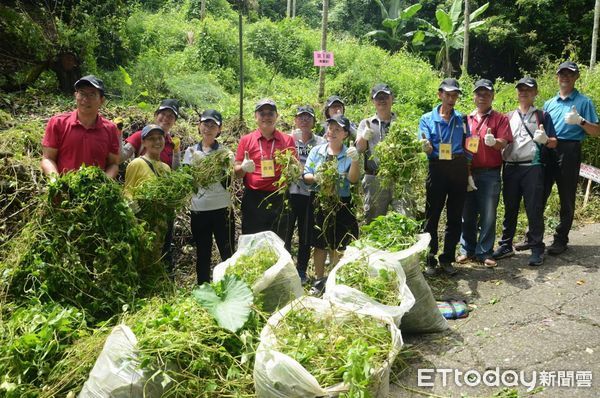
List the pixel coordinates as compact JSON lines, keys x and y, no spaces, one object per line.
{"x":574,"y":116}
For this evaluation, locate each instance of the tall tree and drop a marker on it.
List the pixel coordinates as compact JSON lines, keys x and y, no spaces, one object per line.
{"x":323,"y":48}
{"x":450,"y":31}
{"x":595,"y":34}
{"x":465,"y":60}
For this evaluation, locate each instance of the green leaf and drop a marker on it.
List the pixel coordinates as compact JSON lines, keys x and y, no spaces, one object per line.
{"x":393,"y":12}
{"x":126,"y":77}
{"x":384,"y":13}
{"x":455,"y":12}
{"x":409,"y":12}
{"x":231,"y":307}
{"x":478,"y":12}
{"x":444,"y":21}
{"x":391,"y":23}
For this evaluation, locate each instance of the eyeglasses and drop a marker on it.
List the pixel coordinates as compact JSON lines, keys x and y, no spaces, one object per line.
{"x":266,"y":113}
{"x":90,"y":95}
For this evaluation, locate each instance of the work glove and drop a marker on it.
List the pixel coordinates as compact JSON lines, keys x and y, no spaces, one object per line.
{"x":297,"y":134}
{"x":196,"y":156}
{"x":471,"y":184}
{"x":248,"y":164}
{"x":367,"y":133}
{"x":231,"y":156}
{"x":176,"y":143}
{"x":318,"y":178}
{"x":425,"y":144}
{"x":572,"y":117}
{"x":352,"y":153}
{"x":540,"y":136}
{"x":489,"y":139}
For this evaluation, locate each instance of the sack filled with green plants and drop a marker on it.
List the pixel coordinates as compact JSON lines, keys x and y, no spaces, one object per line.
{"x":372,"y":283}
{"x":262,"y":261}
{"x":312,"y":348}
{"x":398,"y":235}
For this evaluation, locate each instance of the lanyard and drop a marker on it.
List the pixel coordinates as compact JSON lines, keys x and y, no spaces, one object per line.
{"x":451,"y":131}
{"x":484,"y":118}
{"x":523,"y":121}
{"x":261,"y":150}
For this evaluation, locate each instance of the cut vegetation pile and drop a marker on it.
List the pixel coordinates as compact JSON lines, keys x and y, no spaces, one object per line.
{"x":381,"y":285}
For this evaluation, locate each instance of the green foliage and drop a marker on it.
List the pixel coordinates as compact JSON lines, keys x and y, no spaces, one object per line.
{"x":381,"y":285}
{"x":394,"y":21}
{"x":251,"y":266}
{"x":392,"y":232}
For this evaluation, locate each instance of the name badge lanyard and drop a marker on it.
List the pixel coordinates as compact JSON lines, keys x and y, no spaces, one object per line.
{"x":524,"y":123}
{"x":473,"y":139}
{"x":445,"y":152}
{"x":267,"y":165}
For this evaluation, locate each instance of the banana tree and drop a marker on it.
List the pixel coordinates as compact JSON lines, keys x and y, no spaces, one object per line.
{"x":394,"y":20}
{"x":450,"y":31}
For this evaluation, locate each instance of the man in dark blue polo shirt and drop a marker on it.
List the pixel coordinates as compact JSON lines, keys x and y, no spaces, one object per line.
{"x":574,"y":116}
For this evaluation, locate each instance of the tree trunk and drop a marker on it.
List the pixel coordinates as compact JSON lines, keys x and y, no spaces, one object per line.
{"x":448,"y":63}
{"x":595,"y":34}
{"x":202,"y":9}
{"x":293,"y":8}
{"x":465,"y":58}
{"x":323,"y":48}
{"x":288,"y":11}
{"x":241,"y":45}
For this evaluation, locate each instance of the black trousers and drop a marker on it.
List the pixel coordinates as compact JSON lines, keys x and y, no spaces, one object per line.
{"x":302,"y":213}
{"x":525,"y":182}
{"x":563,"y":168}
{"x":446,"y":186}
{"x":205,"y":224}
{"x":264,"y":211}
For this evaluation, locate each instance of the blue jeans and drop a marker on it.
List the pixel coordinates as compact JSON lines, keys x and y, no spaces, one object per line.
{"x":479,"y":214}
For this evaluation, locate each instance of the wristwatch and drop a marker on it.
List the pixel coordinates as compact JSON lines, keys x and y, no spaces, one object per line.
{"x":583,"y":122}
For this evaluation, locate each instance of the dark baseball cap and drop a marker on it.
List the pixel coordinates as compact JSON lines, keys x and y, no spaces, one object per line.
{"x":265,"y":102}
{"x":380,"y":88}
{"x":450,"y":84}
{"x":570,"y":65}
{"x":332,"y":99}
{"x":150,"y":128}
{"x":341,"y":120}
{"x":211,"y":114}
{"x":305,"y":109}
{"x":171,"y":104}
{"x":527,"y":81}
{"x":483,"y":83}
{"x":90,"y":80}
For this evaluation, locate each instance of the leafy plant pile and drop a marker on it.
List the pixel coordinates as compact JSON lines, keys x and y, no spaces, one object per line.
{"x":382,"y":287}
{"x":335,"y":349}
{"x":399,"y":156}
{"x":33,"y":338}
{"x":327,"y":196}
{"x":214,"y":168}
{"x":392,"y":232}
{"x":251,"y":266}
{"x":165,"y":194}
{"x":290,"y":168}
{"x":81,"y":248}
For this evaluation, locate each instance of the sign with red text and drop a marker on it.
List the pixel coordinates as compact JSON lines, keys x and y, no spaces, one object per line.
{"x":323,"y":58}
{"x":589,"y":172}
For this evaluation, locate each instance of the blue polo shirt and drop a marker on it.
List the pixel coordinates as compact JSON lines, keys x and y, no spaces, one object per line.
{"x":558,"y":107}
{"x":318,"y":155}
{"x":437,"y":131}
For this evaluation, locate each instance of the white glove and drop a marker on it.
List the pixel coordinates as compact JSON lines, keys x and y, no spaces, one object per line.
{"x":540,"y":136}
{"x":248,"y":164}
{"x":297,"y":134}
{"x":572,"y":117}
{"x":352,"y":153}
{"x":231,"y":156}
{"x":426,"y":145}
{"x":471,"y":184}
{"x":196,"y":156}
{"x":489,"y":139}
{"x":367,"y":133}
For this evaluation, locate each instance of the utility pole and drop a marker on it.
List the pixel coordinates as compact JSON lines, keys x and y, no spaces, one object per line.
{"x":324,"y":48}
{"x":465,"y":60}
{"x":595,"y":35}
{"x":241,"y":45}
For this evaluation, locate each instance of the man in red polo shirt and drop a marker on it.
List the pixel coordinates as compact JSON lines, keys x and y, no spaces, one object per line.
{"x":165,"y":116}
{"x":262,"y":209}
{"x":82,"y":136}
{"x":489,"y":134}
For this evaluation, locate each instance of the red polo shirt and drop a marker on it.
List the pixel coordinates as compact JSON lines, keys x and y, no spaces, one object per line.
{"x":78,"y":145}
{"x":166,"y":156}
{"x":487,"y":156}
{"x":256,"y":144}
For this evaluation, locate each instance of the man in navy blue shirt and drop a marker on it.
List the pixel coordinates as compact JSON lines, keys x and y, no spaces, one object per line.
{"x":574,"y":116}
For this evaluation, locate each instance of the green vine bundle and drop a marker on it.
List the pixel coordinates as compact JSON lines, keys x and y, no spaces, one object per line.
{"x":382,"y":287}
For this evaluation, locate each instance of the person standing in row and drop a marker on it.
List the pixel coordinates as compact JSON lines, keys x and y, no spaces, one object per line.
{"x":489,"y":134}
{"x":301,"y":206}
{"x":333,"y":231}
{"x":262,"y":207}
{"x":523,"y":174}
{"x":211,"y":209}
{"x":82,"y":136}
{"x":574,"y":116}
{"x":441,"y":133}
{"x":371,"y":131}
{"x":335,"y":106}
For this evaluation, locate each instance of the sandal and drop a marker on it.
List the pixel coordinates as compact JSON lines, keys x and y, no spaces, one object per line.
{"x":489,"y":263}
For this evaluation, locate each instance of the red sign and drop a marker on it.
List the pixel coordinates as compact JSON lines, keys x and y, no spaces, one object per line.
{"x":589,"y":172}
{"x":323,"y":58}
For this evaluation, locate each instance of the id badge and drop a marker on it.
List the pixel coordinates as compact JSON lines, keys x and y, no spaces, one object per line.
{"x":472,"y":144}
{"x":445,"y":152}
{"x":267,"y":168}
